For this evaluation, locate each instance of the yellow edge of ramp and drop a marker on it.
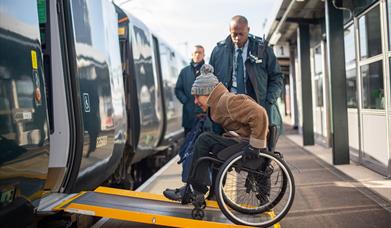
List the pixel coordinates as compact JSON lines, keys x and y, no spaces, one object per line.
{"x":144,"y":195}
{"x":62,"y":204}
{"x":142,"y":217}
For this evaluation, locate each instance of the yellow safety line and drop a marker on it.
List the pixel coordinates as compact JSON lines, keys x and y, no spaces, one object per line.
{"x":143,"y":217}
{"x":62,"y":204}
{"x":144,"y":195}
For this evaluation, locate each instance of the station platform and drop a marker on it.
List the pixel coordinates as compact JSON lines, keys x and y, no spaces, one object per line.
{"x":325,"y":195}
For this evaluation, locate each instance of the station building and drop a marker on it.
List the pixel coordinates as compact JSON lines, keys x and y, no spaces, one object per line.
{"x":337,"y":57}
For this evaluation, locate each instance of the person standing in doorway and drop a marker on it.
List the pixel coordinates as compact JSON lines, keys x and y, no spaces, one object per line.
{"x":183,"y":88}
{"x":245,"y":64}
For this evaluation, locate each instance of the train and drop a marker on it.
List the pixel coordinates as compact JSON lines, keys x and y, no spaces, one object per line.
{"x":86,"y":98}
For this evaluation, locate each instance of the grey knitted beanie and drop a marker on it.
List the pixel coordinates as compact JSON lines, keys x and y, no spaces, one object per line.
{"x":205,"y":83}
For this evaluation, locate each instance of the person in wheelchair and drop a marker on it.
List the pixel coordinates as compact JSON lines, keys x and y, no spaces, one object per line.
{"x":243,"y":119}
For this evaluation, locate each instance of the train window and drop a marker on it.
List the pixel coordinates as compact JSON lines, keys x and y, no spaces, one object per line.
{"x":170,"y":75}
{"x":157,"y":54}
{"x":168,"y":62}
{"x":148,"y":87}
{"x":123,"y":44}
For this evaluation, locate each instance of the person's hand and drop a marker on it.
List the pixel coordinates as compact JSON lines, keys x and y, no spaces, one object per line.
{"x":250,"y":153}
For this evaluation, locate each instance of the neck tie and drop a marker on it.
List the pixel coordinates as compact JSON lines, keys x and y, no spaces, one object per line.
{"x":240,"y":72}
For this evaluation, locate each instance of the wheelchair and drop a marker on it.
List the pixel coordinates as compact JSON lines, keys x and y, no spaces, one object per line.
{"x":253,"y":193}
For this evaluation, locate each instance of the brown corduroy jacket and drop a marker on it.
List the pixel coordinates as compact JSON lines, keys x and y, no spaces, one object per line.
{"x":239,"y":113}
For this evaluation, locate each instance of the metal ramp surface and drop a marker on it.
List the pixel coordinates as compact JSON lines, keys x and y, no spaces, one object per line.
{"x":142,"y":207}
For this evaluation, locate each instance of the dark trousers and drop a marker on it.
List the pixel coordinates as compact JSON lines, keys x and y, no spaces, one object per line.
{"x":187,"y":130}
{"x":206,"y":145}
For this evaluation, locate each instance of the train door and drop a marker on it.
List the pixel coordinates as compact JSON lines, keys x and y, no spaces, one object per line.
{"x":89,"y":39}
{"x":24,"y":145}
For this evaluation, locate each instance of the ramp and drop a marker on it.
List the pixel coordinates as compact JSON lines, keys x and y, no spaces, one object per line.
{"x":143,"y":208}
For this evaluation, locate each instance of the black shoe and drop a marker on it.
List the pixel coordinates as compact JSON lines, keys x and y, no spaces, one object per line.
{"x":175,"y":194}
{"x":190,"y":195}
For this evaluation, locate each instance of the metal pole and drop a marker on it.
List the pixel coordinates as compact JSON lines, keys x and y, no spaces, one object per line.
{"x":303,"y":37}
{"x":337,"y":73}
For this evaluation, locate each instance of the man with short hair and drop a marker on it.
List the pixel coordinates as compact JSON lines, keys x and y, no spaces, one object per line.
{"x":239,"y":113}
{"x":245,"y":64}
{"x":183,"y":88}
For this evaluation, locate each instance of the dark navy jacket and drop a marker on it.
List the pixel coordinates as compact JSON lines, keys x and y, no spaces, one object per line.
{"x":265,"y":80}
{"x":183,"y":93}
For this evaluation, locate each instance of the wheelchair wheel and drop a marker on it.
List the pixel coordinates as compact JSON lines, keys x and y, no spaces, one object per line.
{"x":255,"y":196}
{"x":260,"y":183}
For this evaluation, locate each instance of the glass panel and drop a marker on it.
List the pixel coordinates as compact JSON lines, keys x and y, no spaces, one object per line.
{"x":318,"y":77}
{"x":370,"y":34}
{"x":372,"y":86}
{"x":350,"y":50}
{"x":150,"y":103}
{"x":318,"y":60}
{"x":347,"y":16}
{"x":350,"y":61}
{"x":170,"y":76}
{"x":319,"y":92}
{"x":351,"y":88}
{"x":358,"y":5}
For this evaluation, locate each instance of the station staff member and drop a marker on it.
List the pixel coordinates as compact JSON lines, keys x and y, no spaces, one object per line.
{"x":245,"y":64}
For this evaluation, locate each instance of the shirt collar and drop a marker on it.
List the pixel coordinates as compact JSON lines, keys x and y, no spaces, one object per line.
{"x":244,"y":48}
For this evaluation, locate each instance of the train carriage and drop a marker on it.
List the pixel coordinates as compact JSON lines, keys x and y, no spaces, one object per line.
{"x":81,"y":103}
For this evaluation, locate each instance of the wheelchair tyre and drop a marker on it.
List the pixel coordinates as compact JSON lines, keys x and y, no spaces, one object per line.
{"x":266,"y":214}
{"x":262,"y":208}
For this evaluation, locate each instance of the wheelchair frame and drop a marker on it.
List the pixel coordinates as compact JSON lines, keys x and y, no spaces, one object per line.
{"x":225,"y":204}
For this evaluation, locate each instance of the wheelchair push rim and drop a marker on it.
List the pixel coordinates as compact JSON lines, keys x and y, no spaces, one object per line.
{"x":264,"y":215}
{"x":262,"y":208}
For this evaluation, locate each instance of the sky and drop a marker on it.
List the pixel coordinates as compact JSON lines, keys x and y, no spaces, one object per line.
{"x":185,"y":23}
